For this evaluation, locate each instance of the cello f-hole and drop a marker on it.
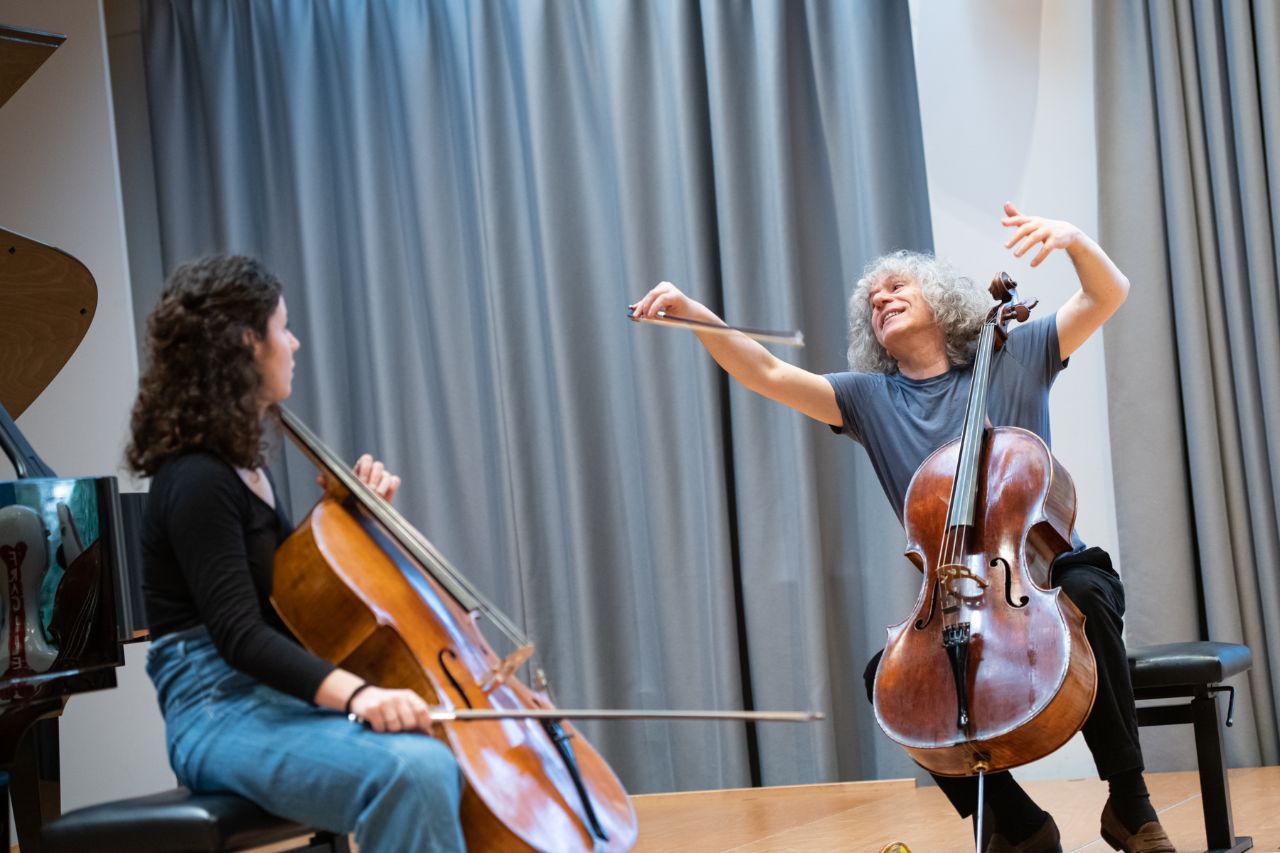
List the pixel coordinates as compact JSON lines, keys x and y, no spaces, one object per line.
{"x":446,"y":655}
{"x":921,"y":624}
{"x":1008,"y":581}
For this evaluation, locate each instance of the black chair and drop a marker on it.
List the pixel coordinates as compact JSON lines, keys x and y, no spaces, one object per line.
{"x":179,"y":821}
{"x":1195,"y":671}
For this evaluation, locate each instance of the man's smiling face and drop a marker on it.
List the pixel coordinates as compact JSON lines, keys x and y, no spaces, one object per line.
{"x":898,"y":308}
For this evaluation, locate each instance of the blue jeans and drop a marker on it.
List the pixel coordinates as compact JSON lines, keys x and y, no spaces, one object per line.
{"x":225,"y":731}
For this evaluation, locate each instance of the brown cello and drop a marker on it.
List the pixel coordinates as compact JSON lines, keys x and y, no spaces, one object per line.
{"x":991,"y":669}
{"x":361,"y":588}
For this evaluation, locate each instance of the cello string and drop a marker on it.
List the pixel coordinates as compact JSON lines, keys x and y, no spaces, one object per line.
{"x":382,"y":511}
{"x":961,"y":484}
{"x":425,"y":552}
{"x":490,"y":610}
{"x":408,"y":536}
{"x":979,"y":414}
{"x":964,"y":484}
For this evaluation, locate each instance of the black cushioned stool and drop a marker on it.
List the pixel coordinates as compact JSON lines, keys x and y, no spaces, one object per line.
{"x":1195,"y":670}
{"x":178,"y":821}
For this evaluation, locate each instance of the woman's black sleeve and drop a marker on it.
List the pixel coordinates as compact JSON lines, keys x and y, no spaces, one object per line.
{"x":206,"y":523}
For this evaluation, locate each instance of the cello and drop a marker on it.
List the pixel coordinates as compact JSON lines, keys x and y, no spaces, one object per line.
{"x":361,"y":588}
{"x":991,"y":669}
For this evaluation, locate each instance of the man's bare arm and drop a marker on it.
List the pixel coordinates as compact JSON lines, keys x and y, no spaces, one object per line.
{"x":1103,"y":288}
{"x":746,"y":360}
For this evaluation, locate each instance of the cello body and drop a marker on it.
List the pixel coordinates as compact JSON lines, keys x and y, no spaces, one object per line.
{"x":992,"y":668}
{"x":356,"y":597}
{"x":1026,"y":698}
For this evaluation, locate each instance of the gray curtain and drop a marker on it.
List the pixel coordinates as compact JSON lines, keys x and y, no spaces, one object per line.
{"x":462,"y":198}
{"x":1189,"y":166}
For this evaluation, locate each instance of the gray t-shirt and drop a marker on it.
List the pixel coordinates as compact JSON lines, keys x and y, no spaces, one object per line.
{"x":900,"y":421}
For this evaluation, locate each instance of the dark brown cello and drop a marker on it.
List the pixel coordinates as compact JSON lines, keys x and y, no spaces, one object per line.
{"x":360,"y":587}
{"x":992,"y":669}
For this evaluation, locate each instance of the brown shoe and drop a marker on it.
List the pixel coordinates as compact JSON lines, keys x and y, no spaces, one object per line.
{"x":1150,"y":837}
{"x":1046,"y":839}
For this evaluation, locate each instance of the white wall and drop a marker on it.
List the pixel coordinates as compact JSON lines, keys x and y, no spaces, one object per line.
{"x":1006,"y":100}
{"x":61,"y":186}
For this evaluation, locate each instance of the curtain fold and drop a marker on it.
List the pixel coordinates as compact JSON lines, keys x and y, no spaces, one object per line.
{"x":461,"y":199}
{"x":1189,"y":171}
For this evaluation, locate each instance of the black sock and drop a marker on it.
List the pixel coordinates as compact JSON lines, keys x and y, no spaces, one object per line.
{"x":1017,"y":816}
{"x":1130,"y":801}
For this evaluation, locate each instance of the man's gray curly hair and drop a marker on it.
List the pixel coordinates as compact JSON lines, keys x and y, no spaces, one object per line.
{"x":959,"y":306}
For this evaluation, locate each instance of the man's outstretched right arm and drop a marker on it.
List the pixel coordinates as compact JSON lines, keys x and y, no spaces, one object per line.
{"x":746,"y":360}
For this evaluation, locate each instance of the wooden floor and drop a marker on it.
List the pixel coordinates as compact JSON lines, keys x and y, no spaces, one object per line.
{"x":865,"y":816}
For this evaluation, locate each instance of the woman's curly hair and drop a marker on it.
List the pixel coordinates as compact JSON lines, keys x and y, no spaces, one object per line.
{"x":201,"y":386}
{"x":959,"y":307}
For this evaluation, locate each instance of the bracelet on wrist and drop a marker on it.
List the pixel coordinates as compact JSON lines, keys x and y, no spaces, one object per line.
{"x":346,"y":709}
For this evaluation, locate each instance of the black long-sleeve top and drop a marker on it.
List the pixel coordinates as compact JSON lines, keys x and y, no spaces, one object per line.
{"x":208,"y":547}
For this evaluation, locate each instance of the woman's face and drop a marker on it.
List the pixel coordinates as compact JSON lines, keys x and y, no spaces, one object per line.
{"x":274,"y":355}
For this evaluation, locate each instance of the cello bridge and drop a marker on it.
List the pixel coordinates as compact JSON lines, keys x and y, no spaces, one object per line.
{"x":960,"y":581}
{"x":507,"y":667}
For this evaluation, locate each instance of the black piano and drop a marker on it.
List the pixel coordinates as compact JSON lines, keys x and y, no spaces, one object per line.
{"x":66,"y":608}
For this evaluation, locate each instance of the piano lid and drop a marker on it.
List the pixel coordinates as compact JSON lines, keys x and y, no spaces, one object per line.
{"x":47,"y":297}
{"x":21,"y":53}
{"x":47,"y":301}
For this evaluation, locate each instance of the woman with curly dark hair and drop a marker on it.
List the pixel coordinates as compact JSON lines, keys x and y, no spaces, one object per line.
{"x":246,"y":707}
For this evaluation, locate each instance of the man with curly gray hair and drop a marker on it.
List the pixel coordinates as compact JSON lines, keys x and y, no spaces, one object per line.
{"x":958,"y":306}
{"x":913,"y":326}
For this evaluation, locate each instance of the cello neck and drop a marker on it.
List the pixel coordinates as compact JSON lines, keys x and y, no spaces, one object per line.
{"x":964,"y":494}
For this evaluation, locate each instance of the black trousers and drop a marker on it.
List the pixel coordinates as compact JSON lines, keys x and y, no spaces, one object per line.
{"x":1111,"y":731}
